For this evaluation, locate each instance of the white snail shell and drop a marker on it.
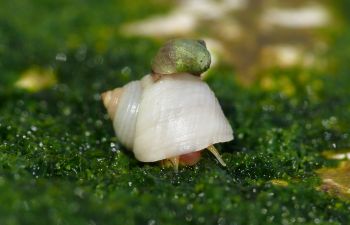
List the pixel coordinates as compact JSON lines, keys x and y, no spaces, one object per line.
{"x":173,"y":116}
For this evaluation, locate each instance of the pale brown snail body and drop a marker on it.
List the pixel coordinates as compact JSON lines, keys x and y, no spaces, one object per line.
{"x":171,"y":114}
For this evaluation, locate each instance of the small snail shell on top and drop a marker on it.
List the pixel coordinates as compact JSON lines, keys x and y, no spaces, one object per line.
{"x":181,"y":55}
{"x":171,"y":117}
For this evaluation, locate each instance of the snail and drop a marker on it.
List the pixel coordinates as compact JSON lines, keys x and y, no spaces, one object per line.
{"x":170,"y":115}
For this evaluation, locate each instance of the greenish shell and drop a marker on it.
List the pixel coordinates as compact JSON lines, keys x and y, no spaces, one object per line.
{"x":182,"y":55}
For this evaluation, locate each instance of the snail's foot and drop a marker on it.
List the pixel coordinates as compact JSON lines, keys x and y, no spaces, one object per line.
{"x":188,"y":159}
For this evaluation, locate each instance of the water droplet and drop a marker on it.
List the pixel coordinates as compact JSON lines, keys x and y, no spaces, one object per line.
{"x":188,"y":218}
{"x":151,"y":222}
{"x":79,"y":192}
{"x":221,"y":221}
{"x":61,"y":57}
{"x":189,"y":207}
{"x":98,"y":60}
{"x":34,"y":128}
{"x":66,"y":111}
{"x":81,"y":53}
{"x":97,"y":97}
{"x":126,"y":71}
{"x":201,"y":219}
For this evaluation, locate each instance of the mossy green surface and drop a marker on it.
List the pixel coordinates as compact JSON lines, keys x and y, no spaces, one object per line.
{"x":61,"y":164}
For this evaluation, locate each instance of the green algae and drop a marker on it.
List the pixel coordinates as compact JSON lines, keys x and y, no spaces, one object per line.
{"x":61,"y":164}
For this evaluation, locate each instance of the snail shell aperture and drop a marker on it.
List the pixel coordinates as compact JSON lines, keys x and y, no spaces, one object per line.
{"x":168,"y":117}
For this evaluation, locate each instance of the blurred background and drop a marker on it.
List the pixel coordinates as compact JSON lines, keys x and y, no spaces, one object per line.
{"x":250,"y":36}
{"x":280,"y":71}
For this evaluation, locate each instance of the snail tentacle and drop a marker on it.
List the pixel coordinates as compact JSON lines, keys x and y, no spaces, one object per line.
{"x":175,"y":162}
{"x":217,"y":155}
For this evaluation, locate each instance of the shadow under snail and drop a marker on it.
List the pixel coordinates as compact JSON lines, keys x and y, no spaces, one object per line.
{"x":170,"y":115}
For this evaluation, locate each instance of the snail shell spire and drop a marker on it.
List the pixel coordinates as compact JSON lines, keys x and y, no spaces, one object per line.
{"x":110,"y":100}
{"x":182,"y":56}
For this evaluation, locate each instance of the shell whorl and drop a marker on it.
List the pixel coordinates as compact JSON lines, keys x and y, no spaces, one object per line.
{"x":123,"y":107}
{"x":110,"y":100}
{"x":182,"y":55}
{"x":178,"y":114}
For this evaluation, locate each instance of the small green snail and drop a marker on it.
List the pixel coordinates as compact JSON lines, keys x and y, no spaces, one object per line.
{"x":170,"y":115}
{"x":182,"y":56}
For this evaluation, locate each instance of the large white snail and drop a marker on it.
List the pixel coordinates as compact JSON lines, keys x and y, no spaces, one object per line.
{"x":170,"y":115}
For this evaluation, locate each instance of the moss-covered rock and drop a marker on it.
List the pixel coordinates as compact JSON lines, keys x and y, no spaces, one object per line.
{"x":61,"y":164}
